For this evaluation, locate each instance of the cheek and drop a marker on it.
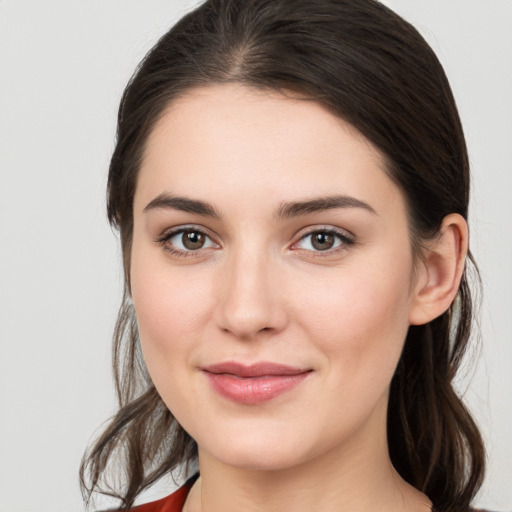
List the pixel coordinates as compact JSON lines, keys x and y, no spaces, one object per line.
{"x":170,"y":307}
{"x":360,"y":320}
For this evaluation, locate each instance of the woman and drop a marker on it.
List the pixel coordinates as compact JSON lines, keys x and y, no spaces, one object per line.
{"x":291,"y":185}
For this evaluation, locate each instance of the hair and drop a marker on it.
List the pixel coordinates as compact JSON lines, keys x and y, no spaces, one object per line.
{"x":368,"y":66}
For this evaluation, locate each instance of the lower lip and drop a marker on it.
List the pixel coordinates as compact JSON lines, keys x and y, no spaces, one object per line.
{"x":254,"y":390}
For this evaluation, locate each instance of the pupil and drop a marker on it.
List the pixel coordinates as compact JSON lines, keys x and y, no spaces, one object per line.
{"x":193,"y":240}
{"x":323,"y":241}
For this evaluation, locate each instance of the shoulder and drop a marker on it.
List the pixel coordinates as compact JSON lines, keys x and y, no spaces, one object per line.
{"x":172,"y":503}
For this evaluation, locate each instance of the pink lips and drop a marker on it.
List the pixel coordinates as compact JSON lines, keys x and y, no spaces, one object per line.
{"x":253,"y":384}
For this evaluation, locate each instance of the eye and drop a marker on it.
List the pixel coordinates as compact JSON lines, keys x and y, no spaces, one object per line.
{"x":186,"y":240}
{"x":324,"y":240}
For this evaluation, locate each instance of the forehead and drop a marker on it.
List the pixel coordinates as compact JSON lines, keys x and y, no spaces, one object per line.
{"x":229,"y":140}
{"x":249,"y":118}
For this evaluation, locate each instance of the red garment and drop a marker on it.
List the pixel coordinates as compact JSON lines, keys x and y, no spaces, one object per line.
{"x":171,"y":503}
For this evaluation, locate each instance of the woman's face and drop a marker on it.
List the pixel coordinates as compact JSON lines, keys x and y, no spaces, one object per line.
{"x":272,"y":276}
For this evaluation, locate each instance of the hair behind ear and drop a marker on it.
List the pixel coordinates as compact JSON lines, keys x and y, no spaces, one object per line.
{"x":425,"y":411}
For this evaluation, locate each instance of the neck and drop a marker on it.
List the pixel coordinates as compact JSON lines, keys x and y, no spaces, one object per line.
{"x":356,"y":477}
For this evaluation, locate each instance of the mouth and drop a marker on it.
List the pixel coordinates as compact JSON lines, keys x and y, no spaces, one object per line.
{"x":256,"y":383}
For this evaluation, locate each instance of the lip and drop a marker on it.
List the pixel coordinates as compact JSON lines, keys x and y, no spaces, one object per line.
{"x":256,"y":383}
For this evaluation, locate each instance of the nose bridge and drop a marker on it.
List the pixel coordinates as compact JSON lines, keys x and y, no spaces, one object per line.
{"x":249,"y":301}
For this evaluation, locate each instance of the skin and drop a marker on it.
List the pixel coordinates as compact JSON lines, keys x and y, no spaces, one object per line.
{"x":259,"y":290}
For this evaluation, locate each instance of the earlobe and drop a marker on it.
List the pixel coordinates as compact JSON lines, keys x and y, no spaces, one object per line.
{"x":441,"y":271}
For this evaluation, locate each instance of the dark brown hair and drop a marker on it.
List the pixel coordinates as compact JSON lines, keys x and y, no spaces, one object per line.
{"x":373,"y":69}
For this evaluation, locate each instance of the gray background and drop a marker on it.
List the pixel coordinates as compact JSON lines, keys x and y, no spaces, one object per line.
{"x":63,"y":65}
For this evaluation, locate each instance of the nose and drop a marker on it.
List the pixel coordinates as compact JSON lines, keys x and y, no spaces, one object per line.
{"x":250,"y":299}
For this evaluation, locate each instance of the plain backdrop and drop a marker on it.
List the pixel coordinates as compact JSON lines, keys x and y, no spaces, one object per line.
{"x":63,"y":66}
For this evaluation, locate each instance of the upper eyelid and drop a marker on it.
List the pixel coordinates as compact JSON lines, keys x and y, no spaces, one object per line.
{"x":170,"y":232}
{"x":324,"y":228}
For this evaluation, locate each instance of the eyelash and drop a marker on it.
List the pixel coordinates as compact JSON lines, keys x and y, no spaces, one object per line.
{"x":345,"y":241}
{"x":164,"y":241}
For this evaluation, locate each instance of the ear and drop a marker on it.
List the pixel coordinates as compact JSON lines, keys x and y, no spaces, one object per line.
{"x":439,"y":271}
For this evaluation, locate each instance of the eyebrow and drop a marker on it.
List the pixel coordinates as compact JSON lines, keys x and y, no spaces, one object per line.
{"x":286,"y":210}
{"x":296,"y":209}
{"x":183,"y":204}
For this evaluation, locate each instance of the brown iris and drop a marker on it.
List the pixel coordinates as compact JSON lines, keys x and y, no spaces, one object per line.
{"x":322,"y":241}
{"x":193,"y":240}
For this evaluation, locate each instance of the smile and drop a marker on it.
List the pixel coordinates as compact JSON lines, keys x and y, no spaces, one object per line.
{"x":253,"y":384}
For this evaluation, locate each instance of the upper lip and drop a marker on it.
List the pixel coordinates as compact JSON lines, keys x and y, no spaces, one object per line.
{"x":260,"y":369}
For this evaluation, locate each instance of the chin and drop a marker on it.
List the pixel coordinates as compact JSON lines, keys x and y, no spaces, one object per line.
{"x":268,"y":459}
{"x":261,"y":449}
